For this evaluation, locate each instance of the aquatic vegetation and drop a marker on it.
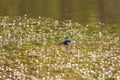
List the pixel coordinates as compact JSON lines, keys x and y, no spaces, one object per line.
{"x":29,"y":50}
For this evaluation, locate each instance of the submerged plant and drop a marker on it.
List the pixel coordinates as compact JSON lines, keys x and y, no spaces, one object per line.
{"x":29,"y":49}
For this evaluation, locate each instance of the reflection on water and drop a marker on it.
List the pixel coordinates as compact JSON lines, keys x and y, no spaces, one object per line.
{"x":83,"y":11}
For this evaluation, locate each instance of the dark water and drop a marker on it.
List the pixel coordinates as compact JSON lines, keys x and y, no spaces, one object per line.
{"x":84,"y":11}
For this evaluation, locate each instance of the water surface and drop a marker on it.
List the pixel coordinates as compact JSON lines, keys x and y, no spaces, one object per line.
{"x":84,"y":11}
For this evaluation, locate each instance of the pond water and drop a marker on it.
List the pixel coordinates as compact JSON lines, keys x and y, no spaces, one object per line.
{"x":84,"y":11}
